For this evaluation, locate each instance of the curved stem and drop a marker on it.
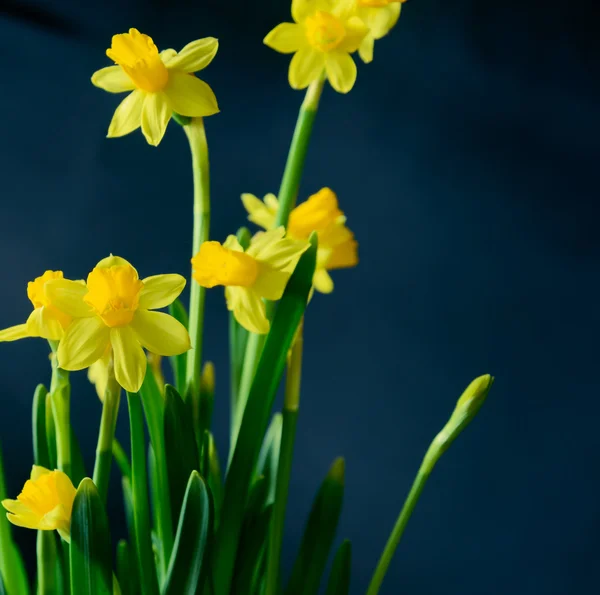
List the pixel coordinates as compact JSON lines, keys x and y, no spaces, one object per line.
{"x":200,"y":167}
{"x":108,"y":424}
{"x":290,"y":417}
{"x":60,"y":397}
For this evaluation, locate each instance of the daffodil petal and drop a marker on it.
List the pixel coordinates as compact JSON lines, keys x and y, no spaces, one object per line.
{"x":322,"y":281}
{"x":112,"y":79}
{"x":343,"y":8}
{"x":232,"y":243}
{"x":272,"y":202}
{"x":167,"y":55}
{"x":37,"y":471}
{"x":160,"y":333}
{"x":270,"y":283}
{"x":189,"y":96}
{"x":160,"y":290}
{"x":248,"y":309}
{"x":341,"y":71}
{"x":112,"y":261}
{"x":156,"y":113}
{"x":129,"y":358}
{"x":356,"y":31}
{"x":301,"y":9}
{"x":42,"y":323}
{"x":85,"y":341}
{"x":195,"y":56}
{"x":306,"y":66}
{"x":53,"y":519}
{"x":279,"y":252}
{"x":286,"y":38}
{"x":65,"y":490}
{"x":381,"y":20}
{"x":20,"y":515}
{"x":128,"y":115}
{"x":258,"y":211}
{"x":365,"y":51}
{"x":67,"y":296}
{"x":14,"y":333}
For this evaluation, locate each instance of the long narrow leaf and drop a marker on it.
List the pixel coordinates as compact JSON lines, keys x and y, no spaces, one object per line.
{"x":319,"y":534}
{"x":185,"y":568}
{"x":90,"y":553}
{"x":256,"y":416}
{"x":178,"y":362}
{"x":339,"y":578}
{"x":268,"y":459}
{"x":40,"y":442}
{"x":51,"y":434}
{"x":77,"y":463}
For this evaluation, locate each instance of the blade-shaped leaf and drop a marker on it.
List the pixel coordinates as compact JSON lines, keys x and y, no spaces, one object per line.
{"x":268,"y":459}
{"x":184,"y":574}
{"x":51,"y":434}
{"x":90,"y":553}
{"x":178,"y":362}
{"x":319,"y":534}
{"x":339,"y":578}
{"x":40,"y":442}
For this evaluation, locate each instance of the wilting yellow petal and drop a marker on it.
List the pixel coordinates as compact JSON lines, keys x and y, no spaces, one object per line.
{"x":156,"y":113}
{"x":128,"y":115}
{"x":286,"y":38}
{"x":129,"y":358}
{"x":248,"y":309}
{"x":189,"y":96}
{"x":306,"y":66}
{"x":112,"y":79}
{"x":341,"y":71}
{"x":14,"y":333}
{"x":85,"y":341}
{"x":160,"y":290}
{"x":322,"y":281}
{"x":42,"y":322}
{"x":195,"y":56}
{"x":160,"y":333}
{"x":67,"y":296}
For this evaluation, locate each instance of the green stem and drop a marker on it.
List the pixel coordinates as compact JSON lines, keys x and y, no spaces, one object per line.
{"x":108,"y":424}
{"x":60,"y":397}
{"x":288,"y":191}
{"x":200,"y":167}
{"x":46,"y":563}
{"x":141,"y":507}
{"x":290,"y":417}
{"x":431,"y":457}
{"x":121,"y":459}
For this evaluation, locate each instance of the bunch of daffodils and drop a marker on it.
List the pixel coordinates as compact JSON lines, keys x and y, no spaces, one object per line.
{"x":195,"y":525}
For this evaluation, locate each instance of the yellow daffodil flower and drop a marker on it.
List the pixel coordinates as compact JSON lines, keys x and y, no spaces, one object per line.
{"x":114,"y":309}
{"x":45,"y":503}
{"x":321,"y":213}
{"x":323,"y":36}
{"x":46,"y":320}
{"x":161,"y":83}
{"x":379,"y":16}
{"x":98,"y":373}
{"x":262,"y":271}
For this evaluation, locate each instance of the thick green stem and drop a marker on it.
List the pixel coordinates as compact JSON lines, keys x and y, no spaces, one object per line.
{"x":431,"y":458}
{"x":108,"y":424}
{"x":141,"y":506}
{"x":46,"y":563}
{"x":288,"y":191}
{"x":290,"y":417}
{"x":200,"y":167}
{"x":60,"y":396}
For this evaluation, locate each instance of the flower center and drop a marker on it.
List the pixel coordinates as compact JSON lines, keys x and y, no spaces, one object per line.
{"x":324,"y":31}
{"x":114,"y":293}
{"x":137,"y":55}
{"x":316,"y":214}
{"x":216,"y":265}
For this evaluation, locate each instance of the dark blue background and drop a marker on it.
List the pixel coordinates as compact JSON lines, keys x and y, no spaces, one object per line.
{"x":466,"y":159}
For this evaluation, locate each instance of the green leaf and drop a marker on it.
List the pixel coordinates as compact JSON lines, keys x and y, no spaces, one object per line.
{"x":256,"y":416}
{"x":211,"y":470}
{"x":339,"y":578}
{"x":77,"y":465}
{"x":180,"y":446}
{"x":185,"y":568}
{"x":141,"y":507}
{"x":51,"y":434}
{"x":153,"y":403}
{"x":91,"y":558}
{"x":268,"y":459}
{"x":47,"y":560}
{"x":12,"y":569}
{"x":178,"y":362}
{"x":319,"y":534}
{"x":125,"y":568}
{"x":40,"y":442}
{"x":130,"y":521}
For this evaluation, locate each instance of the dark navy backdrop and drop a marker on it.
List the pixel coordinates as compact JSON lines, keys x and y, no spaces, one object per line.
{"x":466,"y":160}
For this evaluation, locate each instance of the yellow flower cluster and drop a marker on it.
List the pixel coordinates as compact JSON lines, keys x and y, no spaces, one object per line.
{"x":326,"y":32}
{"x":110,"y":312}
